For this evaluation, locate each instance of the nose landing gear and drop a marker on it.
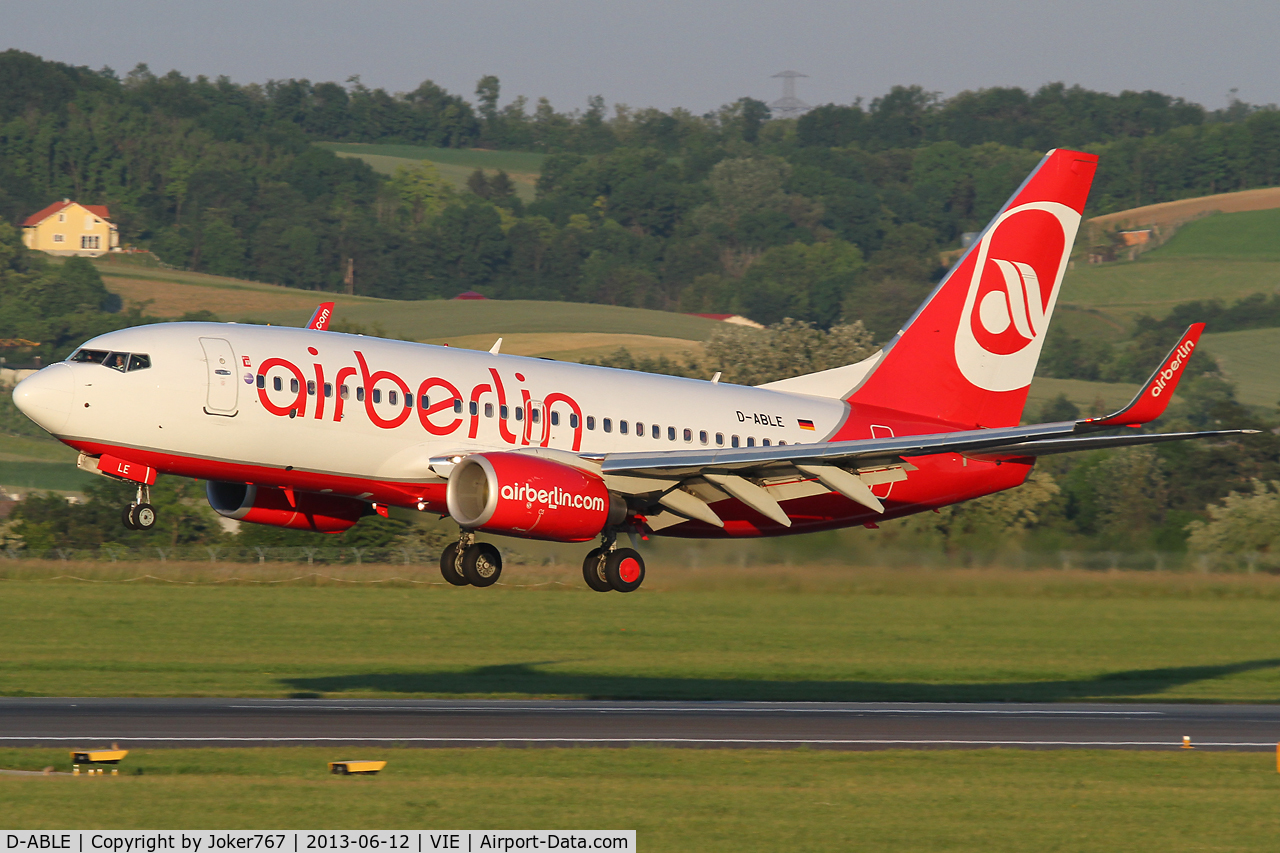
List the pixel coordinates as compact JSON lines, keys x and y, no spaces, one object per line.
{"x":470,"y":562}
{"x":140,"y":515}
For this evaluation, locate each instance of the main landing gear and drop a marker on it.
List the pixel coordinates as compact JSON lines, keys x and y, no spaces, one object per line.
{"x":140,"y":515}
{"x":612,"y":568}
{"x":607,"y":568}
{"x":470,"y":562}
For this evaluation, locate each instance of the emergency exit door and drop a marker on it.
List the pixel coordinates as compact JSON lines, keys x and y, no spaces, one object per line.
{"x":223,"y":388}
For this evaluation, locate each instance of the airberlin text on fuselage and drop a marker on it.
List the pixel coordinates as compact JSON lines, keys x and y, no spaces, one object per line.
{"x":440,"y":417}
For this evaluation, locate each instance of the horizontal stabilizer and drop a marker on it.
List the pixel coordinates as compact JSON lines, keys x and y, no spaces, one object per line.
{"x":1154,"y":397}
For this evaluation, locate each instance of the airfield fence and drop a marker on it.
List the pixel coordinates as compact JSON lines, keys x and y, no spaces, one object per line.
{"x":1100,"y":561}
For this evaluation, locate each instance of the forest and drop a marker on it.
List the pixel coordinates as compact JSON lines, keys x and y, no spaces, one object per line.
{"x":812,"y":226}
{"x":835,"y":217}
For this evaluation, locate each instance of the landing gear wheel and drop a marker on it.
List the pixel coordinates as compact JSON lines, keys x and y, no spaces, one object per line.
{"x":127,"y":517}
{"x":593,"y":571}
{"x":144,"y":516}
{"x":449,"y":565}
{"x":481,"y":564}
{"x":625,"y":570}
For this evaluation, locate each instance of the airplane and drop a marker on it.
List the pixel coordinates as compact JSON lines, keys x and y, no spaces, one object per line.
{"x":311,"y":429}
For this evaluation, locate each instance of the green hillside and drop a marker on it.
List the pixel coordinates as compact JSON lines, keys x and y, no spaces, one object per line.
{"x":455,"y":164}
{"x":1249,"y":359}
{"x":1251,"y":235}
{"x":442,"y":318}
{"x":1155,"y":283}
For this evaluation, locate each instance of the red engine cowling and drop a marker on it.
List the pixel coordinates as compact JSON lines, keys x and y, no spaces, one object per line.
{"x":525,"y":495}
{"x":265,"y":505}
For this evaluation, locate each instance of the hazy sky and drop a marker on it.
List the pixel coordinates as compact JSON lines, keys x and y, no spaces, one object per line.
{"x":668,"y":54}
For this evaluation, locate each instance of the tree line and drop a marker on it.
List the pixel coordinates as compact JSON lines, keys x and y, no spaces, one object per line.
{"x":835,"y":217}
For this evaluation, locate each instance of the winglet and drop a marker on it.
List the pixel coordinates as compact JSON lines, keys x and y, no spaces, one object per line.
{"x":320,"y":319}
{"x":1153,"y":399}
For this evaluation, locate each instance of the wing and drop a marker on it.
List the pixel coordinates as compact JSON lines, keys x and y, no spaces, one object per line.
{"x":851,"y":467}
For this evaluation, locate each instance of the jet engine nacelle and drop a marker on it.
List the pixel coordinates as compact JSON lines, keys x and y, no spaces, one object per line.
{"x":265,"y":505}
{"x":529,"y":496}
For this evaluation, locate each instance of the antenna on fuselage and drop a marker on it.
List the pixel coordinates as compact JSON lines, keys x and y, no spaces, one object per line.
{"x":497,"y":346}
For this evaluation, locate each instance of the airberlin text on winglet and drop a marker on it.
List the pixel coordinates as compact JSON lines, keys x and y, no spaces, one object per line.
{"x":1180,"y":354}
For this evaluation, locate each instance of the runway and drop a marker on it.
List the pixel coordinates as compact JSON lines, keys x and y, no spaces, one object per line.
{"x":141,"y":723}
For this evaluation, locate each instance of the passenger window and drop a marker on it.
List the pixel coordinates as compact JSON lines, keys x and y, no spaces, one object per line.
{"x":328,"y":389}
{"x":293,"y":386}
{"x":311,"y":387}
{"x":555,"y":418}
{"x":720,"y":439}
{"x":733,"y":442}
{"x":344,"y":392}
{"x":139,"y":362}
{"x":519,"y":413}
{"x":622,"y":427}
{"x":262,"y":381}
{"x":277,"y":383}
{"x":639,"y":429}
{"x":573,"y":421}
{"x":488,"y":410}
{"x":702,"y":436}
{"x":688,"y":435}
{"x":502,"y":412}
{"x":408,"y":401}
{"x":765,"y":442}
{"x":457,"y":405}
{"x":657,"y":431}
{"x":359,"y":393}
{"x":751,"y":441}
{"x":474,"y":408}
{"x":377,"y":395}
{"x":393,"y":397}
{"x":591,"y":421}
{"x":608,"y":425}
{"x":671,"y":433}
{"x":534,"y":414}
{"x":780,"y":443}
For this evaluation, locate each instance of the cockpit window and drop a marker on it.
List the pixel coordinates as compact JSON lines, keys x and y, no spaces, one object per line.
{"x":121,"y":361}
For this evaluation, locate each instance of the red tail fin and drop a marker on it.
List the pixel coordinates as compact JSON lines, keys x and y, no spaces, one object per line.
{"x":968,"y":354}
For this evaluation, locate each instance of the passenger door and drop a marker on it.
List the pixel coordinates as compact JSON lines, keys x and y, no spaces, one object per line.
{"x":223,"y":387}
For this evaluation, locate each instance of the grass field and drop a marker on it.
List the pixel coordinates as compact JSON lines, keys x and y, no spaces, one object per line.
{"x":820,"y":633}
{"x":1251,"y":235}
{"x":1250,"y":358}
{"x":455,"y":164}
{"x":1155,"y":283}
{"x":680,"y":800}
{"x":577,"y":346}
{"x":441,"y":318}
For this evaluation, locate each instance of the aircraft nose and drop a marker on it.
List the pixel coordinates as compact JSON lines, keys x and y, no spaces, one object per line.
{"x":45,"y":397}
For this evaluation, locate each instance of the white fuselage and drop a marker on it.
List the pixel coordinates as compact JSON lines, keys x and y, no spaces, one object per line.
{"x":200,"y":399}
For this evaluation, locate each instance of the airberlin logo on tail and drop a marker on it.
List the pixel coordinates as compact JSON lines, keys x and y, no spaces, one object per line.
{"x":1012,"y":288}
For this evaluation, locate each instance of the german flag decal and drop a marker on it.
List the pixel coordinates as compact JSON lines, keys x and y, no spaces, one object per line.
{"x":805,"y":424}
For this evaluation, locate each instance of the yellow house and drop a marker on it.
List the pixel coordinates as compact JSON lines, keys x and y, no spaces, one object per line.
{"x":70,"y":228}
